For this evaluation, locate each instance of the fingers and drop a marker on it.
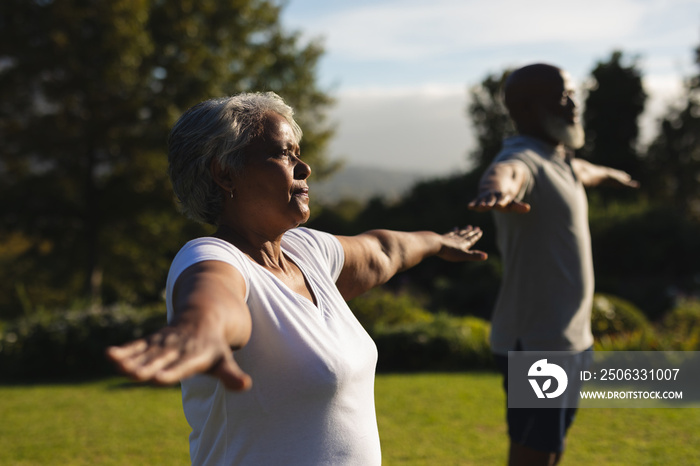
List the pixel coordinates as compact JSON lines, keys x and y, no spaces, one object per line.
{"x":518,"y":207}
{"x":187,"y":365}
{"x":485,"y":201}
{"x":630,"y":183}
{"x":457,"y":244}
{"x":124,"y":356}
{"x":465,"y":237}
{"x":141,"y":360}
{"x":476,"y":255}
{"x":626,"y":182}
{"x":225,"y":368}
{"x":167,"y":357}
{"x":623,"y":178}
{"x":471,"y":235}
{"x":117,"y":353}
{"x":231,"y":375}
{"x":468,"y":232}
{"x":498,"y":201}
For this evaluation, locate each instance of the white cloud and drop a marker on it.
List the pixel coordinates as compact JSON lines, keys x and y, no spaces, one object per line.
{"x":423,"y":91}
{"x":411,"y":30}
{"x":423,"y":130}
{"x":405,"y":65}
{"x":426,"y":129}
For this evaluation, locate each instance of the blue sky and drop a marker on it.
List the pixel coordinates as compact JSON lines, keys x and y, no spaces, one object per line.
{"x":400,"y":70}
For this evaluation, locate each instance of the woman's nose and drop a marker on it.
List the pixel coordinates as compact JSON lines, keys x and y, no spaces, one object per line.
{"x":302,"y":170}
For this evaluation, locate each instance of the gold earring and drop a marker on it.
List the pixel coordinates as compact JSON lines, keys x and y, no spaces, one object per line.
{"x":231,"y":194}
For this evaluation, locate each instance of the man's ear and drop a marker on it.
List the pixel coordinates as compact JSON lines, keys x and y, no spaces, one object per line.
{"x":222,"y":176}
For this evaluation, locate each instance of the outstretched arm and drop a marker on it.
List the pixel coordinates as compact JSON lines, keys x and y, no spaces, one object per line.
{"x":211,"y":319}
{"x":594,"y":175}
{"x":372,"y":258}
{"x":499,"y":188}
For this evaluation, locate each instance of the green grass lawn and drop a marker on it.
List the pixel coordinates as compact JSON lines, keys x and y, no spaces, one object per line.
{"x":424,"y":419}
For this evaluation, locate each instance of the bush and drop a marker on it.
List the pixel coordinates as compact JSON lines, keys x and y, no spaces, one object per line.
{"x":626,"y":265}
{"x":681,"y":326}
{"x":618,"y":325}
{"x":409,"y":338}
{"x":612,"y":315}
{"x":638,"y":340}
{"x":71,"y":343}
{"x":444,"y":343}
{"x":51,"y":346}
{"x":379,"y":308}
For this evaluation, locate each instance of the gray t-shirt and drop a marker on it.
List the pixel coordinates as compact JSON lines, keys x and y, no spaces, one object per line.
{"x":546,"y":293}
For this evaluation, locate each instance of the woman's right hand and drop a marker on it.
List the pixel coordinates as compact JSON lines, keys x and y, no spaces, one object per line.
{"x":177,"y":352}
{"x":211,"y":319}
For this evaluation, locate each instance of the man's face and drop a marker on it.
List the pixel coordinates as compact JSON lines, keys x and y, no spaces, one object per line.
{"x":559,"y":114}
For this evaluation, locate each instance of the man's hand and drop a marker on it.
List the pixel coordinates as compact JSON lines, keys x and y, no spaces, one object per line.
{"x":499,"y":187}
{"x":596,"y":175}
{"x":496,"y":200}
{"x":620,"y":179}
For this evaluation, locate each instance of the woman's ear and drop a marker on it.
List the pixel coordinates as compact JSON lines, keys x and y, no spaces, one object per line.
{"x":222,"y":176}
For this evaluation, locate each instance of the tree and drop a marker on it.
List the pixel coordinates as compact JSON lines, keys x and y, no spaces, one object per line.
{"x":674,"y":156}
{"x":490,"y":120}
{"x":614,"y":102}
{"x":88,"y":92}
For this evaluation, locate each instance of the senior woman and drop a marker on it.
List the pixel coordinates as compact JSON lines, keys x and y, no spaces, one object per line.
{"x":301,"y":387}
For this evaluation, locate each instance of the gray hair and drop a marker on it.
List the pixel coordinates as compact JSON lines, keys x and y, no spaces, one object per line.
{"x":217,"y":129}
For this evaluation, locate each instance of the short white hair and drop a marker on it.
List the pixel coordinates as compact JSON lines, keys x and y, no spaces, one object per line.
{"x":217,"y":129}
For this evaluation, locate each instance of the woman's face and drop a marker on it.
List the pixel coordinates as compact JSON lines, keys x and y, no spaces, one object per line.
{"x":271,"y":190}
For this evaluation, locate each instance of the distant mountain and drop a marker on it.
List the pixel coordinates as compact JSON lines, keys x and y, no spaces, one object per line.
{"x":362,"y":183}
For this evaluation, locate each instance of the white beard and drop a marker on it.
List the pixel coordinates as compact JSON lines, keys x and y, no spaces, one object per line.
{"x":571,"y":135}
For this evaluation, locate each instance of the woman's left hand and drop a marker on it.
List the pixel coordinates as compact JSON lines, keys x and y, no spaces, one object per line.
{"x":457,"y":243}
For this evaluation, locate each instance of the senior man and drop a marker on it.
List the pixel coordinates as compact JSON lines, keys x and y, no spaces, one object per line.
{"x":535,"y":188}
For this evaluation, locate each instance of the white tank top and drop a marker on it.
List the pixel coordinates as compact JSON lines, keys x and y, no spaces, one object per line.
{"x":312,"y":400}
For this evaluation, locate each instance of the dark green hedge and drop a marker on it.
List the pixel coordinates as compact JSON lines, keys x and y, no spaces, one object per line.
{"x":681,"y":326}
{"x":409,"y":338}
{"x":71,"y":344}
{"x":53,"y":346}
{"x":613,"y":315}
{"x":445,"y":343}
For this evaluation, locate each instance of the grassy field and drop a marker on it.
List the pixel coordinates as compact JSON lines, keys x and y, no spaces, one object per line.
{"x":424,"y":419}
